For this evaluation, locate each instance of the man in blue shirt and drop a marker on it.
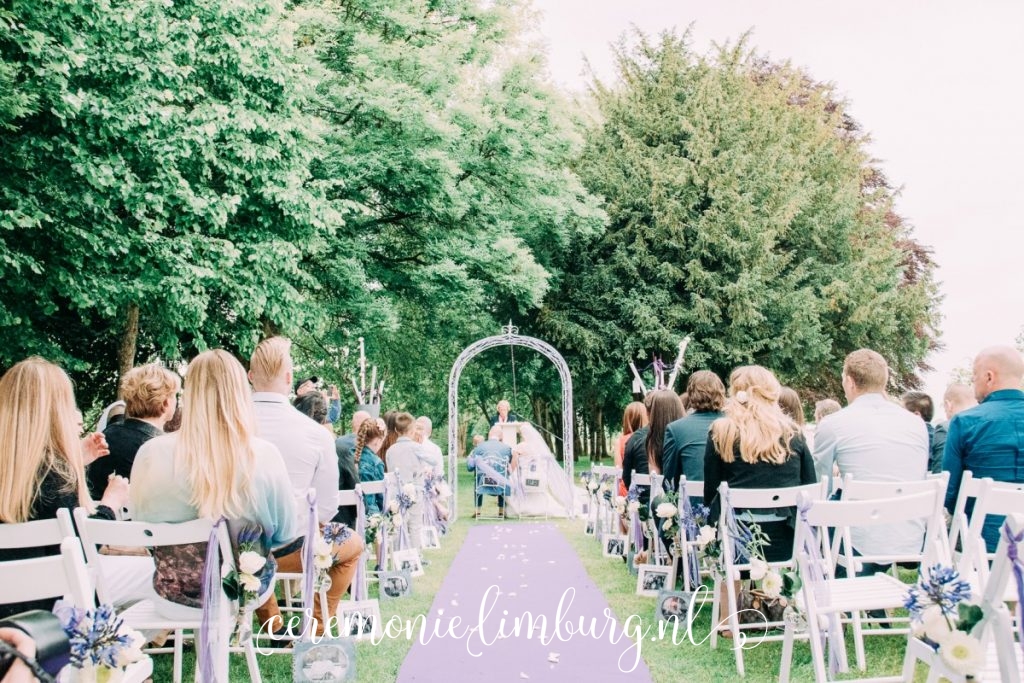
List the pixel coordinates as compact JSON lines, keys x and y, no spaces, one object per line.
{"x":492,"y":459}
{"x":988,"y":439}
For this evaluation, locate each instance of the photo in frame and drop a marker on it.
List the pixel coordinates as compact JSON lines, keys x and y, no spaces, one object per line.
{"x":408,"y":561}
{"x":672,"y":605}
{"x":429,"y":539}
{"x":651,"y":579}
{"x":359,"y":619}
{"x":328,"y":660}
{"x":589,"y":530}
{"x":614,"y":546}
{"x":394,"y":585}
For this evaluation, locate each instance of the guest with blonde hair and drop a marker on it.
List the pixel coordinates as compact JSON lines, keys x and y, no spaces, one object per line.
{"x":213,"y":467}
{"x":42,"y":460}
{"x":756,"y":445}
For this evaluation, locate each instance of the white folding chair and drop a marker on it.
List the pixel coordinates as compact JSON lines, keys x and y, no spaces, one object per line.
{"x":826,"y":598}
{"x":732,"y":499}
{"x":145,"y":615}
{"x":56,"y":576}
{"x":39,"y":533}
{"x":291,"y":582}
{"x":606,"y":508}
{"x":689,"y":548}
{"x":372,"y":488}
{"x":842,"y":546}
{"x":1003,"y":660}
{"x":994,"y":498}
{"x":654,"y":484}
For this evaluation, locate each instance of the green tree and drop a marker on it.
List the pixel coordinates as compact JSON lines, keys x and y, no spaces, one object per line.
{"x":156,"y":193}
{"x":745,"y":211}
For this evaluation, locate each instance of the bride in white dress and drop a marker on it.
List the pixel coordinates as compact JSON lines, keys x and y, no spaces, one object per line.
{"x":540,"y":487}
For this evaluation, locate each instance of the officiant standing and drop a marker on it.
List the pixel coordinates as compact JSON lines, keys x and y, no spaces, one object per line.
{"x":504,"y":415}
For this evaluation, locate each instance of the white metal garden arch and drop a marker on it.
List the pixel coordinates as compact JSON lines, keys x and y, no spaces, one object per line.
{"x":509,"y":337}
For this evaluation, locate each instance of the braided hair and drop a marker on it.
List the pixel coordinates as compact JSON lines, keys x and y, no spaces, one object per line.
{"x":368,"y":431}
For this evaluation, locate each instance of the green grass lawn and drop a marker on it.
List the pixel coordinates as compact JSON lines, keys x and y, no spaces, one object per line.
{"x":668,"y":662}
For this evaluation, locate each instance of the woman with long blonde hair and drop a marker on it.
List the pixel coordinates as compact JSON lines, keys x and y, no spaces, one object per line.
{"x":756,"y":445}
{"x":42,"y":459}
{"x":213,"y":467}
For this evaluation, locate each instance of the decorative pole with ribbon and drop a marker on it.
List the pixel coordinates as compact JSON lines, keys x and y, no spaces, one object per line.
{"x":359,"y":581}
{"x":211,"y":642}
{"x":309,"y":564}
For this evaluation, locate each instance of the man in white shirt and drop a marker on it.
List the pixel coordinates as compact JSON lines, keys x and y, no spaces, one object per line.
{"x":874,"y":439}
{"x":309,"y":457}
{"x":429,"y":451}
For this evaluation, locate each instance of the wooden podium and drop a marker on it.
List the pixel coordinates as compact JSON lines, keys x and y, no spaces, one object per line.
{"x":509,"y":433}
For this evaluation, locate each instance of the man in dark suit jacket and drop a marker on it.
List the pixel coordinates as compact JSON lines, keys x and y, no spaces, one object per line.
{"x":503,"y":414}
{"x":687,"y":437}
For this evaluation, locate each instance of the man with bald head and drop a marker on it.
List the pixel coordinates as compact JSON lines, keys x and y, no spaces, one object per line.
{"x":958,"y":398}
{"x":987,"y":439}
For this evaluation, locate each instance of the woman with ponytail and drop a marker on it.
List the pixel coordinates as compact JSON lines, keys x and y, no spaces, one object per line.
{"x":756,"y":445}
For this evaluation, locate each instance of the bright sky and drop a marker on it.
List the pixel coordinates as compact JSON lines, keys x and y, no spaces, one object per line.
{"x":936,"y":83}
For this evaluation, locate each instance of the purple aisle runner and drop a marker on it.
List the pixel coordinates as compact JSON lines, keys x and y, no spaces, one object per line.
{"x":504,"y":572}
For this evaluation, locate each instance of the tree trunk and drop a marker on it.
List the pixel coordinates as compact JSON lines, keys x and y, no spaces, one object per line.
{"x":129,"y":339}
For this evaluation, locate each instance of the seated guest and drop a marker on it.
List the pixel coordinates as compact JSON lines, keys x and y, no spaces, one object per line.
{"x":407,"y":459}
{"x":369,"y":439}
{"x":633,"y":418}
{"x":755,"y":445}
{"x":345,"y":445}
{"x":41,"y":462}
{"x":687,"y":437}
{"x":958,"y":398}
{"x":792,"y":406}
{"x":213,"y":467}
{"x":314,"y":406}
{"x":920,"y":404}
{"x":986,"y":439}
{"x":150,"y":394}
{"x":431,"y":451}
{"x":486,"y":455}
{"x":874,"y":439}
{"x":644,"y":450}
{"x":307,"y":450}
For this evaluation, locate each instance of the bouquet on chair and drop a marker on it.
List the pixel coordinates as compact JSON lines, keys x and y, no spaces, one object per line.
{"x":102,"y":646}
{"x":942,"y":617}
{"x":332,"y":534}
{"x":770,"y":592}
{"x":247,"y":579}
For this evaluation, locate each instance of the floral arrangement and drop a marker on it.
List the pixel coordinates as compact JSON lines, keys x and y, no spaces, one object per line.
{"x":633,"y":505}
{"x":102,"y":646}
{"x":942,"y":617}
{"x":590,"y":482}
{"x":243,"y":583}
{"x":437,"y":493}
{"x":373,"y":525}
{"x":666,"y":509}
{"x":332,"y":534}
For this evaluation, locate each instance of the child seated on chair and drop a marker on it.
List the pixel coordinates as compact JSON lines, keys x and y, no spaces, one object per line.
{"x":491,"y":456}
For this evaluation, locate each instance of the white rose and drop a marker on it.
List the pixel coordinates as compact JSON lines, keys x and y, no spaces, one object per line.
{"x":707,"y":535}
{"x":323,"y":560}
{"x":393,"y":506}
{"x":758,"y":568}
{"x":132,"y":652}
{"x":633,"y":506}
{"x":666,"y":510}
{"x":409,"y":490}
{"x":249,"y":583}
{"x":962,"y":653}
{"x":934,"y":624}
{"x":251,"y":562}
{"x":771,"y":585}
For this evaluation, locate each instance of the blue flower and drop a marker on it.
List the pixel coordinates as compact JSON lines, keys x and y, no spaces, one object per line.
{"x":336,"y":533}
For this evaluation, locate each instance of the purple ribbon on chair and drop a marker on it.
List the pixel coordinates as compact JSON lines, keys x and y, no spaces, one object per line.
{"x":382,"y":549}
{"x":638,"y":531}
{"x":688,"y":530}
{"x":308,"y":561}
{"x":212,"y":594}
{"x":1017,"y":566}
{"x":810,"y":544}
{"x":359,"y":581}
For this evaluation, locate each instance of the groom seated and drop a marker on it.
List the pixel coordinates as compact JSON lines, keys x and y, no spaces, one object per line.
{"x":491,"y":461}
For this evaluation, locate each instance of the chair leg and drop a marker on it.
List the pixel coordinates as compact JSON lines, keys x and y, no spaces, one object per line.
{"x":817,"y":649}
{"x":858,"y":641}
{"x":787,"y":654}
{"x":178,"y":636}
{"x":909,"y":661}
{"x":716,"y":609}
{"x":734,"y":625}
{"x":250,"y":659}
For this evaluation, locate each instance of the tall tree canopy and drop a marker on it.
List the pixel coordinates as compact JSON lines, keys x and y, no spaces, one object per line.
{"x":745,"y":211}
